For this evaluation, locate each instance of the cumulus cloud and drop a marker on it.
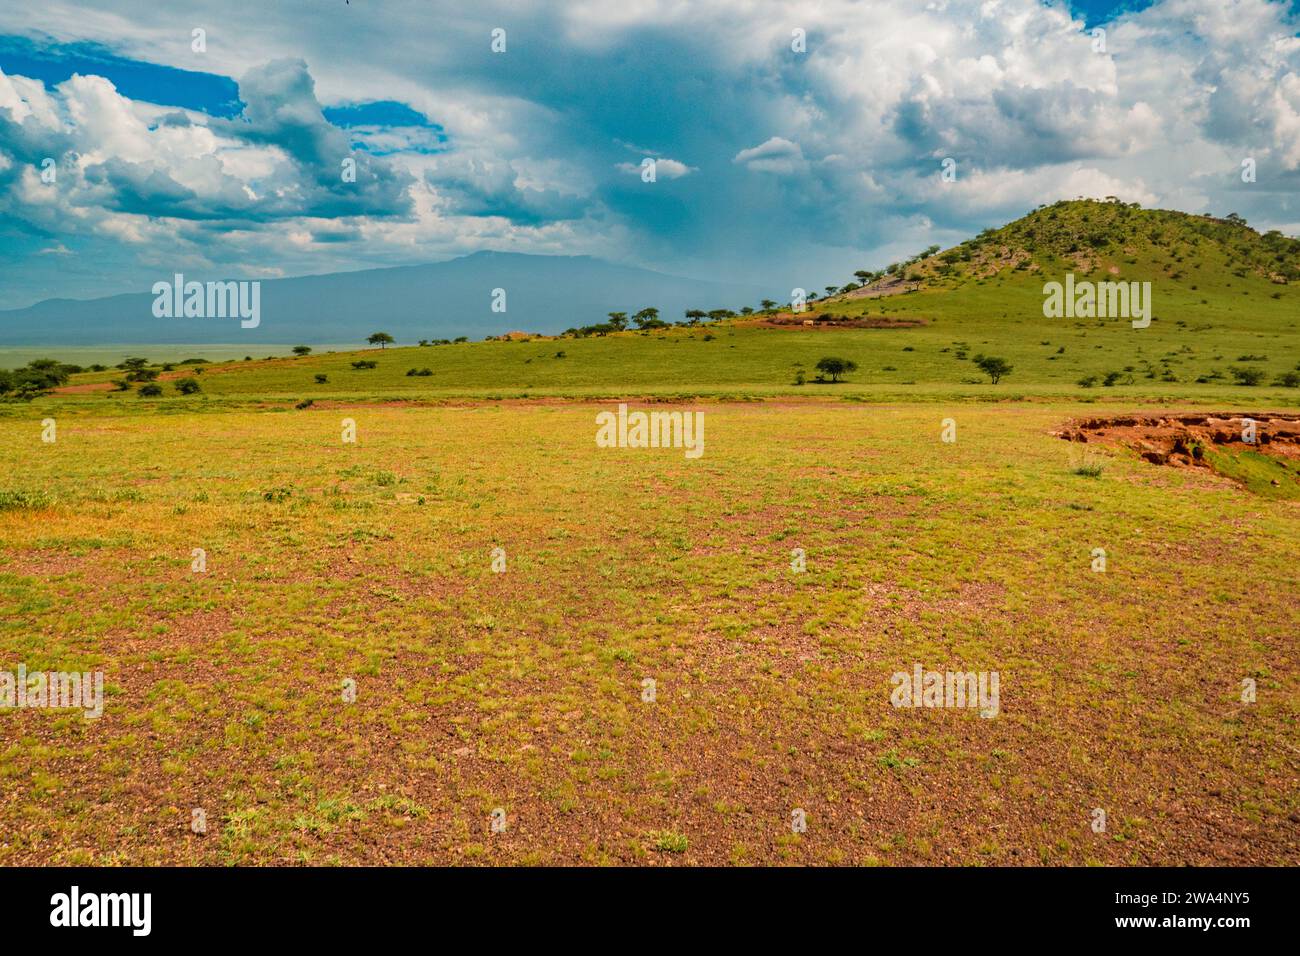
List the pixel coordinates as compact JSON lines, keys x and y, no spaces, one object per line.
{"x":837,"y":147}
{"x":484,"y":185}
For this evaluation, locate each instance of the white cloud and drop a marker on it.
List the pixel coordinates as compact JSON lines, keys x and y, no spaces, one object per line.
{"x":777,"y":155}
{"x":853,"y":129}
{"x":664,"y":168}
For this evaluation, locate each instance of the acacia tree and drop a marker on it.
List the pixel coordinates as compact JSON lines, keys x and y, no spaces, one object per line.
{"x":302,"y":350}
{"x":836,"y":367}
{"x":382,"y":339}
{"x":993,"y":367}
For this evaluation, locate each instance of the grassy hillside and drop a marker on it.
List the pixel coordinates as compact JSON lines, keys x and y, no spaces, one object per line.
{"x":1223,"y":313}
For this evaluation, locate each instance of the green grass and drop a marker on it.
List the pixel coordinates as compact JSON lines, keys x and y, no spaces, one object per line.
{"x":476,"y":690}
{"x":1262,"y":474}
{"x":748,"y":361}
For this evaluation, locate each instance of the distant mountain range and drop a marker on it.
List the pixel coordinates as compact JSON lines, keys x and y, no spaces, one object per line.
{"x":546,"y":294}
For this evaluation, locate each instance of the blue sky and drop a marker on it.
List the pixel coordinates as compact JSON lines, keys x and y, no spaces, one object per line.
{"x":804,"y":159}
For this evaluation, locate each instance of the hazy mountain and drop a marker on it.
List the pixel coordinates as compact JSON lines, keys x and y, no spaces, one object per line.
{"x":443,"y":300}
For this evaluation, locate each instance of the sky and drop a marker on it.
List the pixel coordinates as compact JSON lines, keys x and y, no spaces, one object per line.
{"x":790,"y":139}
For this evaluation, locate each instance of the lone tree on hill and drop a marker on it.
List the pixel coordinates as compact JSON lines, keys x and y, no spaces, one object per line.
{"x":993,"y":367}
{"x":302,"y":350}
{"x":836,"y":367}
{"x":382,"y":339}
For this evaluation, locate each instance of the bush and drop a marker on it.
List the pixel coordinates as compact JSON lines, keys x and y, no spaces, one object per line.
{"x":1288,"y":380}
{"x":322,"y":379}
{"x":1247,"y":376}
{"x":150,"y":390}
{"x":1088,"y":381}
{"x":188,"y":386}
{"x":364,"y":364}
{"x":423,"y":372}
{"x":25,"y":500}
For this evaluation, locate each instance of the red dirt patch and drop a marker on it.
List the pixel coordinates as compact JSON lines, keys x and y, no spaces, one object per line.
{"x":1179,"y":440}
{"x":824,"y":321}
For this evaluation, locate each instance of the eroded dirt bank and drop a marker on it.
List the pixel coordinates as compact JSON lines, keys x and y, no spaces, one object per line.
{"x":1260,"y":450}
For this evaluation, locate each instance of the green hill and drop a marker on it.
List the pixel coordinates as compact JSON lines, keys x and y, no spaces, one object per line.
{"x":1085,"y":236}
{"x":1225,"y":325}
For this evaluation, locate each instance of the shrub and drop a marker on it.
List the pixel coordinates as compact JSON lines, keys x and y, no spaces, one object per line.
{"x":188,"y":386}
{"x":364,"y":364}
{"x":321,"y":379}
{"x":1247,"y":376}
{"x":25,"y":500}
{"x":150,"y":390}
{"x":669,"y":842}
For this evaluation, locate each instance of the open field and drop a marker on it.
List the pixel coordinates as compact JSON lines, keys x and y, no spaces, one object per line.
{"x":1120,"y":690}
{"x":733,"y":360}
